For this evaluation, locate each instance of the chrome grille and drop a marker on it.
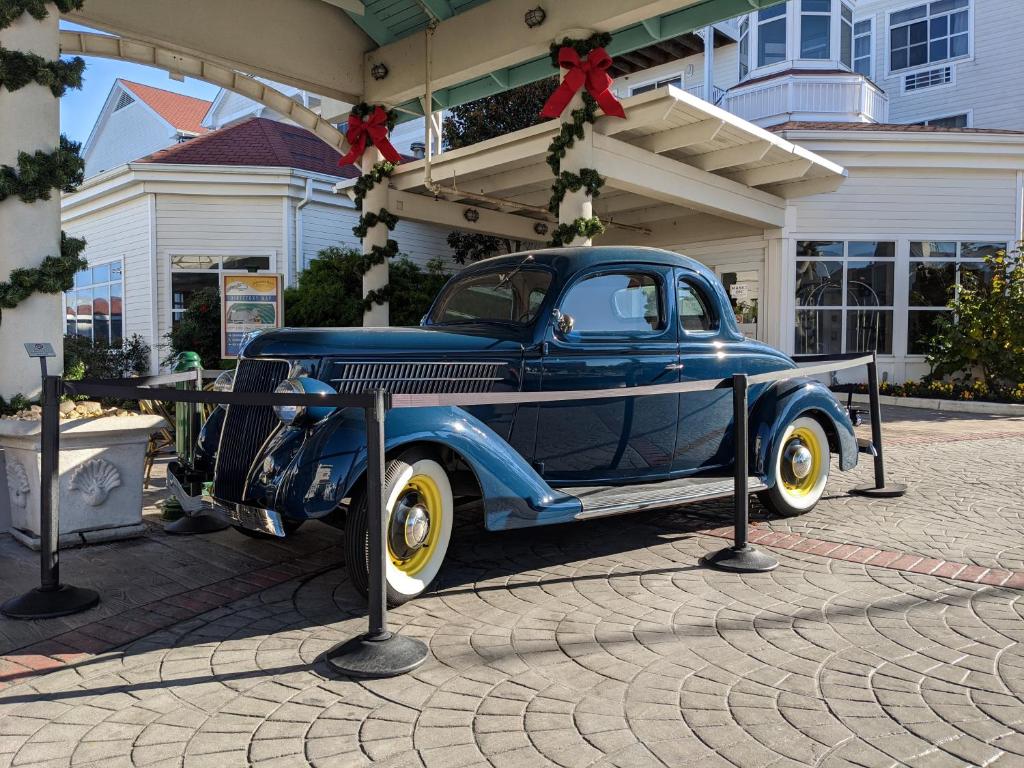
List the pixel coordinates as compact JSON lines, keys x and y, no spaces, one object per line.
{"x":246,"y":427}
{"x":420,"y":378}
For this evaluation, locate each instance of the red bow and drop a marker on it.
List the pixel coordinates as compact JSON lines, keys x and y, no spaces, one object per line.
{"x":593,"y":72}
{"x":373,"y":130}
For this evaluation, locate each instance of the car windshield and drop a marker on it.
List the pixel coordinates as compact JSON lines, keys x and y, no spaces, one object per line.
{"x":512,"y":296}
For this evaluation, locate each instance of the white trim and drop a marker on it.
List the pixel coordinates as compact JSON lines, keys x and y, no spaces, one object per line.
{"x":904,"y":75}
{"x":169,"y":272}
{"x":889,"y":72}
{"x":1020,"y":206}
{"x":154,"y":287}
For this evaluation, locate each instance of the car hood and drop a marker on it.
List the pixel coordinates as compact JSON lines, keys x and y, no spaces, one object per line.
{"x":376,"y":343}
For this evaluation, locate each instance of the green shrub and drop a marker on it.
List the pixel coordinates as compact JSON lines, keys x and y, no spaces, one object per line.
{"x":85,"y":359}
{"x":985,"y":331}
{"x":198,"y":329}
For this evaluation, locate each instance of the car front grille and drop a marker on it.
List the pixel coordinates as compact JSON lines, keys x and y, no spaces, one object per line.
{"x":419,"y":378}
{"x":246,"y":427}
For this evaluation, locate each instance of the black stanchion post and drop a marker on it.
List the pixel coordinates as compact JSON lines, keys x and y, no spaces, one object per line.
{"x":51,"y":598}
{"x":380,"y":652}
{"x":879,"y":489}
{"x":741,"y":557}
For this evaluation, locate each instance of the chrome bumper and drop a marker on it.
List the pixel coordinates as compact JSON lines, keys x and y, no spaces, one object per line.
{"x":195,"y":496}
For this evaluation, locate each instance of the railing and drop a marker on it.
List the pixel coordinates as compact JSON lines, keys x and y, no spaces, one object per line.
{"x":806,"y":96}
{"x":380,"y":652}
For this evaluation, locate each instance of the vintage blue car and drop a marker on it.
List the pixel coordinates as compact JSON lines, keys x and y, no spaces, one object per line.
{"x":549,"y":321}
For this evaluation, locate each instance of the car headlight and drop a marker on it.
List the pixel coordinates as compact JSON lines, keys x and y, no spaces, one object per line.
{"x":225,"y":382}
{"x":303,"y":385}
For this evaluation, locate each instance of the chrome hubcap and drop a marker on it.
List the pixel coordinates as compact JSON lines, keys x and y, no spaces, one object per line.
{"x":410,"y":527}
{"x":799,"y":460}
{"x":417,"y":527}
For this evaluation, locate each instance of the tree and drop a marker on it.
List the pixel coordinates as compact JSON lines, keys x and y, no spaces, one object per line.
{"x":985,"y":331}
{"x":484,"y":119}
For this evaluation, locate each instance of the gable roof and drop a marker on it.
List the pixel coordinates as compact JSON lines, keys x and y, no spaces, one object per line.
{"x":184,"y":113}
{"x":258,"y":141}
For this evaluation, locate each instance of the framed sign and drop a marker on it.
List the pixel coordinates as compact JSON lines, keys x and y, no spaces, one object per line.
{"x":249,"y":302}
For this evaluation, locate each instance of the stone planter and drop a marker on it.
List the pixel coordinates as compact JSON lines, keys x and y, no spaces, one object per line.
{"x":101,"y":464}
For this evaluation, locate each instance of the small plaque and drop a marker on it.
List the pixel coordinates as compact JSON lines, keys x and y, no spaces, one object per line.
{"x":40,"y":349}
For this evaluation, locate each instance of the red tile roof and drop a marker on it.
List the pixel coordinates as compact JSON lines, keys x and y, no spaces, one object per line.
{"x":185,"y":113}
{"x":257,"y":141}
{"x":795,"y":125}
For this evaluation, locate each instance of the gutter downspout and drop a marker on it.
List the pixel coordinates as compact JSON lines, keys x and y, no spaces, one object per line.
{"x":297,"y":258}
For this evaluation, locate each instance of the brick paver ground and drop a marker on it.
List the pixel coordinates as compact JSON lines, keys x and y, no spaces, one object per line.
{"x":596,"y":644}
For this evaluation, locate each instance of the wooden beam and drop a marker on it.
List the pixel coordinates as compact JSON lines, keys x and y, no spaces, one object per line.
{"x":352,"y":6}
{"x":684,"y":136}
{"x":427,"y":209}
{"x":727,"y":158}
{"x":774,"y":174}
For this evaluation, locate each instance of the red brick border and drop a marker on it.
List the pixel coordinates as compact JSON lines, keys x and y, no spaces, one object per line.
{"x":899,"y":561}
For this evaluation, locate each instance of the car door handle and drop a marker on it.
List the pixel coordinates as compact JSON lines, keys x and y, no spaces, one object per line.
{"x":674,"y":367}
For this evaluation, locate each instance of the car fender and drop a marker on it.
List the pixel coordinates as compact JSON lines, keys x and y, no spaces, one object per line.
{"x":782,"y":402}
{"x":332,"y":460}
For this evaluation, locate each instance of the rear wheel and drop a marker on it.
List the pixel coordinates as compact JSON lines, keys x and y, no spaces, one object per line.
{"x":800,"y":470}
{"x":419,"y":512}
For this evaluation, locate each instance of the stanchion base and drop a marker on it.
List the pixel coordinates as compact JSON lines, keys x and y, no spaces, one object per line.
{"x":50,"y":603}
{"x":890,"y":491}
{"x":741,"y":560}
{"x":201,"y":523}
{"x":372,"y":657}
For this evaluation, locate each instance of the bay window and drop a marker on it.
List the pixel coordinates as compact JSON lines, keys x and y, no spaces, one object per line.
{"x":771,"y":35}
{"x":846,"y":35}
{"x":744,"y":53}
{"x":929,"y":33}
{"x":815,"y":28}
{"x":862,"y":48}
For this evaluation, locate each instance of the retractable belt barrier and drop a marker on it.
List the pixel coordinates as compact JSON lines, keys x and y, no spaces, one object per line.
{"x":380,"y":652}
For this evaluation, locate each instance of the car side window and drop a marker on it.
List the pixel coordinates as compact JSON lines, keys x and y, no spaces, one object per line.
{"x":618,"y":302}
{"x":695,"y":313}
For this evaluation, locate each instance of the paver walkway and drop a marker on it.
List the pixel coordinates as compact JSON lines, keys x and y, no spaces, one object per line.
{"x":594,"y":644}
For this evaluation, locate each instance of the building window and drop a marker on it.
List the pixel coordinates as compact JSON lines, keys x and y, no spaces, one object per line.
{"x":929,"y":33}
{"x":744,"y":53}
{"x":94,"y":307}
{"x":844,"y":296}
{"x":846,"y":35}
{"x":194,"y":272}
{"x":927,"y":78}
{"x":951,"y":121}
{"x":862,"y":48}
{"x":937,"y":270}
{"x":677,"y":81}
{"x":815,"y":22}
{"x":771,"y":35}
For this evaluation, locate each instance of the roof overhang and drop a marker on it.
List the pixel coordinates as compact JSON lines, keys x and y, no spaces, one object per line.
{"x":674,"y":155}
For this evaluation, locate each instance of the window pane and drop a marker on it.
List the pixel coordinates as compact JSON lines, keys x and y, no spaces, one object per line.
{"x":101,"y":274}
{"x":814,"y":34}
{"x":919,"y":32}
{"x":819,"y":283}
{"x":101,"y":315}
{"x":818,"y":249}
{"x":116,"y":314}
{"x":958,"y":46}
{"x":771,"y":13}
{"x":771,"y":42}
{"x":958,"y":22}
{"x":918,"y":55}
{"x":899,"y":37}
{"x":69,"y":312}
{"x":846,"y":44}
{"x":183,"y":285}
{"x":116,"y":271}
{"x":862,"y":47}
{"x":942,"y":6}
{"x":847,"y":13}
{"x":862,"y":27}
{"x":898,"y":59}
{"x":933,"y":249}
{"x":193,"y":261}
{"x":869,"y":331}
{"x":870,"y":284}
{"x":616,"y":303}
{"x":931,"y":283}
{"x":694,"y":314}
{"x":83,"y":309}
{"x":975,"y":275}
{"x":920,"y":327}
{"x":885,"y":249}
{"x":910,"y":14}
{"x":980,"y":250}
{"x":818,"y":332}
{"x":247,"y":262}
{"x":816,"y":6}
{"x":642,"y":89}
{"x":939,"y":27}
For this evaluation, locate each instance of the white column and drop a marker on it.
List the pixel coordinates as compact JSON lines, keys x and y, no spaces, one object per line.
{"x":377,"y":277}
{"x":709,"y":63}
{"x":29,"y":121}
{"x":579,"y":204}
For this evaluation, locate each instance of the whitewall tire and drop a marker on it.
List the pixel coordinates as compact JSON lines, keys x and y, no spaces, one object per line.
{"x":800,"y":470}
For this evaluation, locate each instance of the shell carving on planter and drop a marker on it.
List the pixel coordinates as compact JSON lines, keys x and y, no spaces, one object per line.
{"x":95,"y":479}
{"x":17,"y":484}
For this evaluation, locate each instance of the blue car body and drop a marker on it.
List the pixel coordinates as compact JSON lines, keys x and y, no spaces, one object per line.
{"x":523,"y":457}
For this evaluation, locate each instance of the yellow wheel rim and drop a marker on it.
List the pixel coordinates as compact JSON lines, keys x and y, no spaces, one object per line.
{"x":809,"y":439}
{"x":429,"y":497}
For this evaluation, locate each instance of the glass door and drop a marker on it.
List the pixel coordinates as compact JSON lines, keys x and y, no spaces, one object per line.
{"x":743,"y":284}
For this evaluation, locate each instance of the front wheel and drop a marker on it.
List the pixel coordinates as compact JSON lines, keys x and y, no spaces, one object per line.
{"x":418,"y":516}
{"x":800,"y":470}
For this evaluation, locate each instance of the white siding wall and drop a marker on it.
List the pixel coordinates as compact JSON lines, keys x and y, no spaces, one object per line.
{"x":122,"y":232}
{"x":215,"y":225}
{"x":231,"y":107}
{"x":989,"y":84}
{"x":129,"y":133}
{"x":725,"y":64}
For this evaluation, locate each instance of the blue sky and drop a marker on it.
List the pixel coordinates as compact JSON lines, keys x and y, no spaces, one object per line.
{"x":78,"y":109}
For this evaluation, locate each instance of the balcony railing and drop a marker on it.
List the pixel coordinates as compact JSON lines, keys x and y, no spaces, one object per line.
{"x":717,"y":94}
{"x":848,"y":98}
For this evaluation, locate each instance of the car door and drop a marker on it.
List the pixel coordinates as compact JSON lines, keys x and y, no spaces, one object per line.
{"x":623,"y":334}
{"x":704,"y":439}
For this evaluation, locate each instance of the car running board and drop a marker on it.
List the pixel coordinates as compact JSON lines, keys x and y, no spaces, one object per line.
{"x":607,"y":500}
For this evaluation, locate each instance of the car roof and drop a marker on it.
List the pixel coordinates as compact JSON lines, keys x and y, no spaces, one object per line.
{"x":568,"y":261}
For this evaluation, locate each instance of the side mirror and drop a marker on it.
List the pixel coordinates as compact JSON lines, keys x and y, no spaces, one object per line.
{"x":563,"y":322}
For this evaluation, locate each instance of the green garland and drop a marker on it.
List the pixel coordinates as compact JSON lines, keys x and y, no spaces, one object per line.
{"x":581,"y":227}
{"x":39,"y":173}
{"x":368,"y":181}
{"x":54,"y":275}
{"x":570,"y":132}
{"x":568,"y":181}
{"x":18,"y":69}
{"x":372,"y":219}
{"x":377,"y":296}
{"x":12,"y":9}
{"x":582,"y":47}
